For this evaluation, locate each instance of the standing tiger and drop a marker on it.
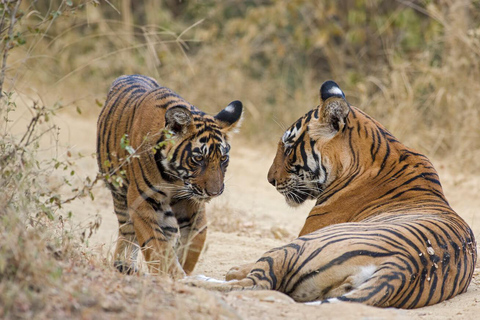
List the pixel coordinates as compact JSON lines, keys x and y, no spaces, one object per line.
{"x":162,"y":159}
{"x":381,"y":231}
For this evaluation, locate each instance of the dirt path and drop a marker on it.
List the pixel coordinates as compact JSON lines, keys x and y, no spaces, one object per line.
{"x":251,"y":217}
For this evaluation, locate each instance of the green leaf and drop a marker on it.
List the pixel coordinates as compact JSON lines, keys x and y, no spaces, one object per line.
{"x":124,"y":142}
{"x":56,"y":14}
{"x":130,"y":149}
{"x":107,"y":163}
{"x":48,"y":212}
{"x":119,"y":181}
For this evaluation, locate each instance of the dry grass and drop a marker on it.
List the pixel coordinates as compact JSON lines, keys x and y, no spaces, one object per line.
{"x":423,"y":86}
{"x":79,"y":284}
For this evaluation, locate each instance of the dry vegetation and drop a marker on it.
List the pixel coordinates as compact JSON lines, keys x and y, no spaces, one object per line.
{"x":413,"y":65}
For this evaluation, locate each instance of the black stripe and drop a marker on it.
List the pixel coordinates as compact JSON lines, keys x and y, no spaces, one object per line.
{"x":150,"y":239}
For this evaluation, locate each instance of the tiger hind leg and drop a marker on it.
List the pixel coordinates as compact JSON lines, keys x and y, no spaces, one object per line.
{"x":365,"y":296}
{"x":379,"y":290}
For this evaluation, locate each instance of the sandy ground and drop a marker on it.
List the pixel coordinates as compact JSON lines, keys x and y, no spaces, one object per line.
{"x":251,"y":217}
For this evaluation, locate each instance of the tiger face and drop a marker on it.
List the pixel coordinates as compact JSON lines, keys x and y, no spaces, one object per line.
{"x":196,"y":160}
{"x":304,"y":165}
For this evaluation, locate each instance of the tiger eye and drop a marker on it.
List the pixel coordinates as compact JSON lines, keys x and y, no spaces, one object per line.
{"x":198,"y":159}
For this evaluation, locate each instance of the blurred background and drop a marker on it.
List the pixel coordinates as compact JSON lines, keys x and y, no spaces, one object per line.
{"x":412,"y":65}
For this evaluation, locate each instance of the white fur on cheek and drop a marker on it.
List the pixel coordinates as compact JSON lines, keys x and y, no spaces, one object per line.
{"x":285,"y":136}
{"x":288,"y":134}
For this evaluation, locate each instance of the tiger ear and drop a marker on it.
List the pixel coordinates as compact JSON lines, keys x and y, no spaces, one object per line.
{"x":331,"y":113}
{"x":178,"y":119}
{"x":230,"y":117}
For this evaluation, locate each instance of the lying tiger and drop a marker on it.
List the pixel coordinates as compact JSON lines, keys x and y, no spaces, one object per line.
{"x":173,"y":158}
{"x":381,"y":231}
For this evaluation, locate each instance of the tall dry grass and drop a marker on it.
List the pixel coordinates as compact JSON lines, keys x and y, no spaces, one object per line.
{"x":412,"y":65}
{"x":37,"y":238}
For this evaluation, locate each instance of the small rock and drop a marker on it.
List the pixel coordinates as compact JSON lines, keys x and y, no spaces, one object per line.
{"x":279,"y":233}
{"x":110,"y":305}
{"x":268,"y":299}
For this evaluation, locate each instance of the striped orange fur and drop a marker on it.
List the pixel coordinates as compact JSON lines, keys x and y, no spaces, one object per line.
{"x":381,"y":232}
{"x":162,"y":159}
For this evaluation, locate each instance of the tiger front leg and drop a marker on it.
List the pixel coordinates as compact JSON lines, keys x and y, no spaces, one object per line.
{"x":157,"y":232}
{"x":257,"y":279}
{"x":201,"y":281}
{"x":265,"y":274}
{"x":193,"y":232}
{"x":126,"y":249}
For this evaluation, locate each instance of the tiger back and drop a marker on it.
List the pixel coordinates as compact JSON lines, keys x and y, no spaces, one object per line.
{"x":381,"y":231}
{"x":162,"y":159}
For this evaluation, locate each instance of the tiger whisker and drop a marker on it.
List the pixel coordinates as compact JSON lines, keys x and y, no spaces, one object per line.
{"x":280,"y":124}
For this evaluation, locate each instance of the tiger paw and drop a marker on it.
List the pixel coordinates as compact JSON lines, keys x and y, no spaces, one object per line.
{"x":125,"y":268}
{"x":177,"y":273}
{"x":238,"y":272}
{"x":201,"y":281}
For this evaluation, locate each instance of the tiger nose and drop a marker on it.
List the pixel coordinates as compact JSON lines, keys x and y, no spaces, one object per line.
{"x":271,"y":176}
{"x":217,"y":192}
{"x":272,"y":181}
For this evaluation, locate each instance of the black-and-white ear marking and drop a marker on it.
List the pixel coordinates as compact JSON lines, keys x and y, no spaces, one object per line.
{"x":231,"y":115}
{"x":330,"y":89}
{"x":178,"y":119}
{"x":332,"y":112}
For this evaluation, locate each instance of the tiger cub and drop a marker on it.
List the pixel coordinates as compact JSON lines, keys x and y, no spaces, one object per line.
{"x":162,"y":159}
{"x":381,"y":232}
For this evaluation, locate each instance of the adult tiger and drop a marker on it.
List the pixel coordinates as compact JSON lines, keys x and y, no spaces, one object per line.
{"x":381,"y":231}
{"x":170,"y":158}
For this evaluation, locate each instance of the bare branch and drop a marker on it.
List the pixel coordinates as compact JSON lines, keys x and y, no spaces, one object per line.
{"x":6,"y":48}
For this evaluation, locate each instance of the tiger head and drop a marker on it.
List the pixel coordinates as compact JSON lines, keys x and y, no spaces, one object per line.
{"x":195,"y":155}
{"x":306,"y":160}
